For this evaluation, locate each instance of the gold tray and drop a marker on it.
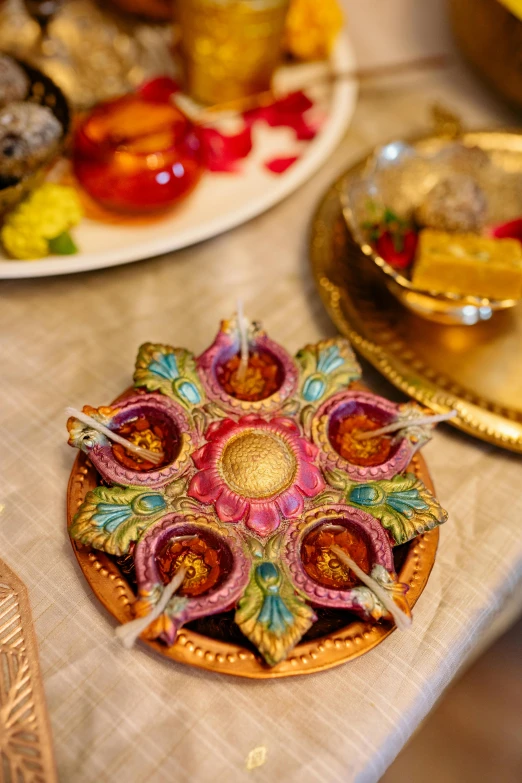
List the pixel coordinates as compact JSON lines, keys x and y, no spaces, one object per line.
{"x":333,"y":642}
{"x":475,"y":370}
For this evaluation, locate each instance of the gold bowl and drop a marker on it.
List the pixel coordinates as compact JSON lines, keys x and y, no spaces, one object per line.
{"x":399,"y":174}
{"x":44,"y":91}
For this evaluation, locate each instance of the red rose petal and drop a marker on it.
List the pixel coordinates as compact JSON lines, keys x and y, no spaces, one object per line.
{"x":510,"y":230}
{"x":222,"y":152}
{"x":399,"y":259}
{"x":280,"y":165}
{"x":287,"y":112}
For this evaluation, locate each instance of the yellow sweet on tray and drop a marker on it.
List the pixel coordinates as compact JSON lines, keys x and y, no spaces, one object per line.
{"x":468,"y":264}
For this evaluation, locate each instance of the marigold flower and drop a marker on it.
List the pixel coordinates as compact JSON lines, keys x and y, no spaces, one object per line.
{"x":40,"y":224}
{"x":312,"y":27}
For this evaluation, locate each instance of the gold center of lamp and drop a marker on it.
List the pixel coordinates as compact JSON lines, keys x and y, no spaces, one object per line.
{"x":146,"y":439}
{"x":196,"y":569}
{"x":330,"y":566}
{"x":258,"y":464}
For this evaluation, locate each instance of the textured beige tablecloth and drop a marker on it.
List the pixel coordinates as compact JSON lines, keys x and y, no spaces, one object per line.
{"x":131,"y":716}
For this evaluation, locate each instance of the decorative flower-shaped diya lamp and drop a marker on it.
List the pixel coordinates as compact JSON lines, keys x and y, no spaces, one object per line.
{"x":251,"y":481}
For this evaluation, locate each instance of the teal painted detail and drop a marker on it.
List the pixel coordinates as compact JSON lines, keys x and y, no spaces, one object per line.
{"x":189,"y":392}
{"x":271,"y":613}
{"x":110,"y":516}
{"x":148,"y":504}
{"x":170,"y":371}
{"x":329,"y":359}
{"x":365,"y":495}
{"x":274,"y":614}
{"x":326,"y":368}
{"x":165,"y":366}
{"x":407,"y":502}
{"x":403,"y":504}
{"x":314,"y":388}
{"x":267,"y":573}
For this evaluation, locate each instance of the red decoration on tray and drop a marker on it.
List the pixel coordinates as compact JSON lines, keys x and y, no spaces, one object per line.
{"x":287,"y":112}
{"x":397,"y":250}
{"x":394,"y":238}
{"x":222,"y":152}
{"x":510,"y":230}
{"x":280,"y":165}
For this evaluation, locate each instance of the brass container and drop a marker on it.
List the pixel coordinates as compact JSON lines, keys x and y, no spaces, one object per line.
{"x":490,"y":38}
{"x":230,"y":48}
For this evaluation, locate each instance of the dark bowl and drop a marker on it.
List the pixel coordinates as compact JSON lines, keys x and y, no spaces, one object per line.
{"x":490,"y":38}
{"x":44,"y":91}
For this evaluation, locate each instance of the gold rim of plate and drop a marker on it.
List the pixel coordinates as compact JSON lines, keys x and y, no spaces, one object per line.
{"x":112,"y":589}
{"x":441,"y":366}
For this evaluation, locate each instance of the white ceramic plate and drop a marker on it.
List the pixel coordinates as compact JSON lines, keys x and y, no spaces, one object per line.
{"x":221,"y":201}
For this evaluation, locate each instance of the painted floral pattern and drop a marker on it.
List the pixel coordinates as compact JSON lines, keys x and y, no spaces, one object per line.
{"x":257,"y":471}
{"x":247,"y":489}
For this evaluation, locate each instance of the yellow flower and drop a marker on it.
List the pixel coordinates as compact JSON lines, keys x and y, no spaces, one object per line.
{"x":312,"y":27}
{"x":40,"y":224}
{"x":23,"y":245}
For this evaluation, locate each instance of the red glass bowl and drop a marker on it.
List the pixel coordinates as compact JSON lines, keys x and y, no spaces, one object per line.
{"x":135,"y":155}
